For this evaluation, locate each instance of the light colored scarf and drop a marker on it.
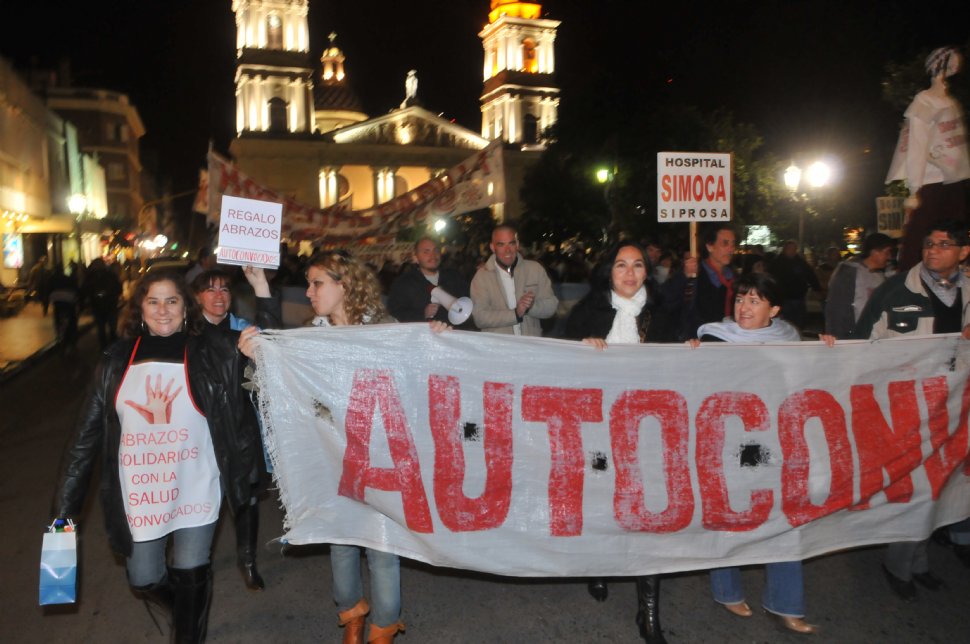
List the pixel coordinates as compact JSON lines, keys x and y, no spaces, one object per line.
{"x":730,"y":331}
{"x":624,"y":329}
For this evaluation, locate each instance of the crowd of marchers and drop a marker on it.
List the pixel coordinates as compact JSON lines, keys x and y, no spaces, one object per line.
{"x":182,"y":353}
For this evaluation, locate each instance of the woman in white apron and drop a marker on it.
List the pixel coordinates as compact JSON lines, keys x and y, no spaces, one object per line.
{"x":166,"y":416}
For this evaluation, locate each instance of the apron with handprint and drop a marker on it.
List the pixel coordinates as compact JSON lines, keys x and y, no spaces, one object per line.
{"x":169,"y":475}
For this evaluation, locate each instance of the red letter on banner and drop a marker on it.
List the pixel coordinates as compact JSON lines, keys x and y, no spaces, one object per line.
{"x":457,"y":511}
{"x":795,"y":471}
{"x":631,"y":512}
{"x":376,"y":388}
{"x":717,"y":512}
{"x":949,"y":450}
{"x":564,"y":410}
{"x":895,"y":449}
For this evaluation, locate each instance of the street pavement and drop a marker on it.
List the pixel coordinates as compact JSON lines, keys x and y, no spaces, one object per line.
{"x":28,"y":336}
{"x":846,"y":593}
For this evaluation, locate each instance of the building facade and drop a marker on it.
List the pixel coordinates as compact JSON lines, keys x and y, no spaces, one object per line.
{"x":520,"y":98}
{"x":41,"y":168}
{"x":108,"y":127}
{"x":305,"y":133}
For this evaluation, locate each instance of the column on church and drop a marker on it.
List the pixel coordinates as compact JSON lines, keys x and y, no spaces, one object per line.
{"x":329,"y":187}
{"x":294,"y":96}
{"x":260,"y":19}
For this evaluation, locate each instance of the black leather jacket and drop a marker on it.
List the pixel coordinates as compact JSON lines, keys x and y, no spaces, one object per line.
{"x":215,"y":370}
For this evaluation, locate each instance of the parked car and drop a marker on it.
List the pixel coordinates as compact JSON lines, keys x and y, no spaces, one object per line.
{"x":180,"y":265}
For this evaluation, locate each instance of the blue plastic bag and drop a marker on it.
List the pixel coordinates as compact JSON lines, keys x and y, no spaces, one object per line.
{"x":58,"y":568}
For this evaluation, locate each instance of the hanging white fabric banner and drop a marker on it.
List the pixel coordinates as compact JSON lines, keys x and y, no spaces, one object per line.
{"x":536,"y":457}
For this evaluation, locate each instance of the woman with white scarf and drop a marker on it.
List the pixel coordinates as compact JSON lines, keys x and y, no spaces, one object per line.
{"x":616,"y":311}
{"x":757,"y":302}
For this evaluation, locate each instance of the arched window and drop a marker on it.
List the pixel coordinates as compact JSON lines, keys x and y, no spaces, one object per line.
{"x":277,"y":114}
{"x":530,"y":59}
{"x":530,"y":129}
{"x":274,"y":32}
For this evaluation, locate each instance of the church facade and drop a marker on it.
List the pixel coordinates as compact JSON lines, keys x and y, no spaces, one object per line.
{"x":302,"y":130}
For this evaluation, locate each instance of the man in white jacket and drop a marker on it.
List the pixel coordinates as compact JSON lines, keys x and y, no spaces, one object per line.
{"x":510,"y":293}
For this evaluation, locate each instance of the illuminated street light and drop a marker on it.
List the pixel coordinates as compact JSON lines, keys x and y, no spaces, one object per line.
{"x":77,"y":204}
{"x":439,"y":225}
{"x":602,"y":175}
{"x":819,"y":174}
{"x":793,"y":176}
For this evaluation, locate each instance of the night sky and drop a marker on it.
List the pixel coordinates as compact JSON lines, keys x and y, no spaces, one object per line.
{"x":807,"y":74}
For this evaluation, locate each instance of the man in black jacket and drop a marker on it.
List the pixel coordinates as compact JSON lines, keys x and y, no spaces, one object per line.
{"x":409,"y":299}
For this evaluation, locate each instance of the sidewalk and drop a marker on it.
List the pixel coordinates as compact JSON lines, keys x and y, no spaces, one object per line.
{"x":28,"y":336}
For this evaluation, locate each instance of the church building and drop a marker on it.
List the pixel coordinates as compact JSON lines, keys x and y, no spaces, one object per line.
{"x":302,"y":130}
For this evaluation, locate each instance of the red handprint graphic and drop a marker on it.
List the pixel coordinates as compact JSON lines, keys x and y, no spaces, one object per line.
{"x":157,"y":409}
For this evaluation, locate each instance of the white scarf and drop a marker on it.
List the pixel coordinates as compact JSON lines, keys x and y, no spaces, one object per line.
{"x":730,"y":331}
{"x":624,"y":329}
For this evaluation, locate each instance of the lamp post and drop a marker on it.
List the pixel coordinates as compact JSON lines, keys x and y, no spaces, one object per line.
{"x":817,"y":175}
{"x":605,"y":177}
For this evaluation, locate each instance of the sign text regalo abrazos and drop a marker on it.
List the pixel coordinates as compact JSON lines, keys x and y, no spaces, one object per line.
{"x":249,"y":232}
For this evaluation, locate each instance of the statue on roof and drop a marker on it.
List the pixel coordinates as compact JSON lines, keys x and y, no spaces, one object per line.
{"x":410,"y":89}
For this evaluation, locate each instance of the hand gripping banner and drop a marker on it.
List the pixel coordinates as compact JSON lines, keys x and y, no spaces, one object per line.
{"x":536,"y":457}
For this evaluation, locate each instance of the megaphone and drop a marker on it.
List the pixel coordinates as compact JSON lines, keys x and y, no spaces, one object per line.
{"x":459,"y":308}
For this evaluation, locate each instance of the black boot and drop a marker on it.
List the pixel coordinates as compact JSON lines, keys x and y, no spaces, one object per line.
{"x":247,"y":533}
{"x":648,"y":609}
{"x":158,"y":598}
{"x":193,"y":590}
{"x":598,"y":589}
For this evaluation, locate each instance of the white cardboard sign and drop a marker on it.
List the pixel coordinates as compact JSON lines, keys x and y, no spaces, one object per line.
{"x":693,"y":186}
{"x":249,"y":232}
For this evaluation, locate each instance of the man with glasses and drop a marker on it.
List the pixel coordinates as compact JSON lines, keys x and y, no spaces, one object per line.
{"x":931,"y":297}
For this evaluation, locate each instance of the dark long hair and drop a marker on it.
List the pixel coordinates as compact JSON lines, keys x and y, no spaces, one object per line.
{"x":132,"y":324}
{"x":600,"y":278}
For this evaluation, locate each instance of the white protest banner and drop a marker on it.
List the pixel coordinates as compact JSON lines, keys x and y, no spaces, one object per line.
{"x":249,"y":232}
{"x":537,"y":457}
{"x":693,"y":186}
{"x":890,"y":216}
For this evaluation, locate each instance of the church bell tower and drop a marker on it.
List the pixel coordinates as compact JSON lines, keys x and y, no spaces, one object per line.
{"x":520,"y":98}
{"x":273,"y":73}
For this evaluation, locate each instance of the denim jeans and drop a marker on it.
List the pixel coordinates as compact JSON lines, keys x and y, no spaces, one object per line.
{"x":784,"y":589}
{"x":385,"y":582}
{"x":191,"y":548}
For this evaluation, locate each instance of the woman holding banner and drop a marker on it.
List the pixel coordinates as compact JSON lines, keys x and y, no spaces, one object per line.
{"x":167,"y":419}
{"x":615,"y":311}
{"x":343,"y":291}
{"x":757,"y":302}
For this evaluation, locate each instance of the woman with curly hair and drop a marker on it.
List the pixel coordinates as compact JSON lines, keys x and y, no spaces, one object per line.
{"x":343,"y":291}
{"x":167,"y":419}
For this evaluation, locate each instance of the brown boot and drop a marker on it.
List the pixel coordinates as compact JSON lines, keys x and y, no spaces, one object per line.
{"x":352,"y":620}
{"x":383,"y":635}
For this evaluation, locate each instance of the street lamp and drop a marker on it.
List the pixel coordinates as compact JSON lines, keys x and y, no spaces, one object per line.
{"x":605,"y":176}
{"x":818,"y":175}
{"x":77,"y":204}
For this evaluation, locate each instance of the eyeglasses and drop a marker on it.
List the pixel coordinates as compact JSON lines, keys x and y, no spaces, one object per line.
{"x":946,"y":244}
